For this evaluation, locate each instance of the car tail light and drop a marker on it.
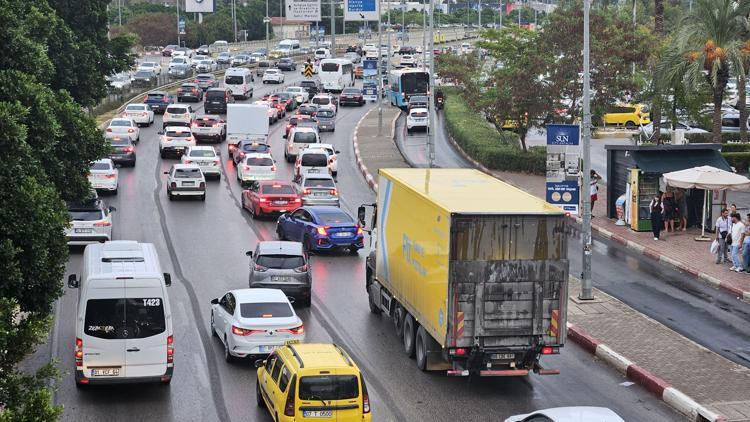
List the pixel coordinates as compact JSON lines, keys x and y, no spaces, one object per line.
{"x":109,"y":129}
{"x":145,"y":98}
{"x":170,"y":349}
{"x":131,"y":130}
{"x":323,"y":231}
{"x":179,"y":90}
{"x":173,"y":185}
{"x":188,"y":162}
{"x":289,"y":406}
{"x":262,"y":200}
{"x":301,"y":269}
{"x":202,"y":185}
{"x":79,"y":352}
{"x":215,"y":125}
{"x":102,"y":224}
{"x":196,"y":81}
{"x":194,"y":125}
{"x":246,"y":167}
{"x":260,"y":268}
{"x":109,"y":176}
{"x":333,"y":192}
{"x":273,"y":169}
{"x":459,"y":352}
{"x":365,"y":397}
{"x":165,"y":99}
{"x":296,"y":330}
{"x":128,"y":149}
{"x":244,"y":332}
{"x":297,"y":200}
{"x":359,"y":230}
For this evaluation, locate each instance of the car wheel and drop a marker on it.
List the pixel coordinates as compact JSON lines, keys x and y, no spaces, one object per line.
{"x":630,"y":125}
{"x":203,"y":197}
{"x":213,"y":326}
{"x":170,"y":196}
{"x":162,"y":154}
{"x":409,"y":335}
{"x":227,"y":355}
{"x":258,"y":395}
{"x":421,"y":348}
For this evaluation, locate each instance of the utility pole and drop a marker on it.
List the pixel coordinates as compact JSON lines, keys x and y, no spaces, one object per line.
{"x":424,"y":33}
{"x":431,"y":98}
{"x":586,"y":285}
{"x":234,"y":19}
{"x":119,"y":12}
{"x":480,"y":14}
{"x":502,"y":12}
{"x":178,"y":23}
{"x":380,"y":73}
{"x":388,"y":62}
{"x":268,"y":22}
{"x":281,"y":19}
{"x":635,"y":2}
{"x":333,"y":29}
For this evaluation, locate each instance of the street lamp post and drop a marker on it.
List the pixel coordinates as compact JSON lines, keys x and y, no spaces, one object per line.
{"x":234,"y":20}
{"x":268,"y":21}
{"x":586,"y":285}
{"x":380,"y":75}
{"x":480,"y":14}
{"x":431,"y":97}
{"x":424,"y":33}
{"x":333,"y":29}
{"x":177,"y":3}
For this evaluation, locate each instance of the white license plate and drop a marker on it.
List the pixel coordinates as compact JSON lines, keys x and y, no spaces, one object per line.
{"x":279,"y":278}
{"x":280,"y":202}
{"x":320,"y":194}
{"x":83,"y":230}
{"x":317,"y":414}
{"x":503,"y":356}
{"x":343,"y":234}
{"x":266,"y":349}
{"x":187,"y":183}
{"x":105,"y":372}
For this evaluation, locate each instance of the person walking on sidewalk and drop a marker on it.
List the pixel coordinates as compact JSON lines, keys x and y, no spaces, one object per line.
{"x":737,"y":230}
{"x":594,"y":189}
{"x":746,"y":245}
{"x":669,"y":205}
{"x":722,"y":231}
{"x":657,"y":211}
{"x":680,"y":197}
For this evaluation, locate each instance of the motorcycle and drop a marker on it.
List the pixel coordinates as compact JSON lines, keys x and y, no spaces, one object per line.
{"x":439,"y":100}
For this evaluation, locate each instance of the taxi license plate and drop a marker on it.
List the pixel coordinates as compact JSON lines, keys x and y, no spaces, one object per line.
{"x":317,"y":414}
{"x":105,"y":372}
{"x":503,"y":356}
{"x":343,"y":234}
{"x":84,"y":230}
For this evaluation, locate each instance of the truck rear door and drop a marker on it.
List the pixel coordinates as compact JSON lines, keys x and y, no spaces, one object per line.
{"x":508,"y":285}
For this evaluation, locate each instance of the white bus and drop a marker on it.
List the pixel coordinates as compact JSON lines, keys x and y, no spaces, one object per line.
{"x":336,"y":74}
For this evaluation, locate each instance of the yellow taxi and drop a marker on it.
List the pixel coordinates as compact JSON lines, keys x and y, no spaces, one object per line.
{"x":312,"y":382}
{"x":629,"y":115}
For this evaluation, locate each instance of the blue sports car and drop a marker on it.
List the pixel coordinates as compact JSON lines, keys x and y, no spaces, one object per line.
{"x":321,"y":228}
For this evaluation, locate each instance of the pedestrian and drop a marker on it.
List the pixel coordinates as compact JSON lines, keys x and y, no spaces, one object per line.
{"x":682,"y":210}
{"x":737,"y":230}
{"x":657,"y":210}
{"x":746,"y":245}
{"x":594,"y":189}
{"x":722,"y":230}
{"x":669,"y":205}
{"x":732,"y":209}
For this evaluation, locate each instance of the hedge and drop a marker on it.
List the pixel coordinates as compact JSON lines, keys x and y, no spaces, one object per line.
{"x":697,"y":138}
{"x":495,"y":150}
{"x":739,"y":160}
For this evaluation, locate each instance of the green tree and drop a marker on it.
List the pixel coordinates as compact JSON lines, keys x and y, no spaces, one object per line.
{"x":657,"y":102}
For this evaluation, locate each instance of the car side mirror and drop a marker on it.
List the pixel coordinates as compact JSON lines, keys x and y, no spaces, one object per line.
{"x":167,"y":279}
{"x":259,"y":363}
{"x":161,"y":132}
{"x":361,"y":215}
{"x":249,"y":253}
{"x":166,"y":172}
{"x":112,"y":209}
{"x":214,"y":301}
{"x":72,"y":281}
{"x":338,"y":152}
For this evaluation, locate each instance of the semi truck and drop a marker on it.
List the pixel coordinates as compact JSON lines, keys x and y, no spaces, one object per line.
{"x":246,"y":122}
{"x":472,"y":271}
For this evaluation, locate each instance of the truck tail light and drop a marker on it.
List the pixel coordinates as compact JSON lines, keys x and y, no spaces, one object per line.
{"x":79,"y":352}
{"x":323,"y":231}
{"x":459,"y":352}
{"x":365,"y":397}
{"x":550,"y":350}
{"x":102,"y":224}
{"x":170,"y":349}
{"x":296,"y":330}
{"x":289,"y":405}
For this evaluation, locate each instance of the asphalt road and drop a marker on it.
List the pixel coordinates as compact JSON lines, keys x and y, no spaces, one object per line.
{"x":203,"y":244}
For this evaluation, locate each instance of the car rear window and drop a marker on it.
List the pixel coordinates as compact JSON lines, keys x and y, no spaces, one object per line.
{"x":280,"y":262}
{"x":350,"y":91}
{"x":325,"y":113}
{"x":204,"y":77}
{"x":176,"y":110}
{"x":234,"y":80}
{"x":277,"y":190}
{"x":321,"y":100}
{"x":320,"y":183}
{"x":256,"y":147}
{"x":216,"y":95}
{"x":187,"y":174}
{"x":143,"y":74}
{"x":202,"y":153}
{"x":124,"y":318}
{"x":259,"y":161}
{"x":305,"y":138}
{"x":124,"y":123}
{"x":330,"y":67}
{"x":119,"y":142}
{"x":178,"y":133}
{"x":100,"y":166}
{"x":334,"y":217}
{"x":265,"y":310}
{"x":85,"y":215}
{"x":418,"y":114}
{"x":329,"y":387}
{"x":314,"y":160}
{"x":204,"y":122}
{"x":156,"y":96}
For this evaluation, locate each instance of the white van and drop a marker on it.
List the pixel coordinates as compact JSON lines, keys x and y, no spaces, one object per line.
{"x":239,"y":80}
{"x":289,"y":47}
{"x":124,"y":323}
{"x":298,"y":139}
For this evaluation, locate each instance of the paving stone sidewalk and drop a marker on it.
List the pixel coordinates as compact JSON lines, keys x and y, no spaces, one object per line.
{"x":690,"y":377}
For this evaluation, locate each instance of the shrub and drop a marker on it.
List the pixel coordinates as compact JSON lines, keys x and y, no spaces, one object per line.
{"x":735,"y":148}
{"x":739,"y":160}
{"x":480,"y":140}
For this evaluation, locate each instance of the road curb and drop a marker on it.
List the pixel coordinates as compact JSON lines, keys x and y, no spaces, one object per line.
{"x":654,"y":384}
{"x":360,"y":163}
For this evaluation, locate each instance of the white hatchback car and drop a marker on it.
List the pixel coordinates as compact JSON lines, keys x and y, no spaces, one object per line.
{"x":175,"y":140}
{"x":256,"y":166}
{"x":123,"y":127}
{"x":205,"y":157}
{"x":273,"y":75}
{"x":332,"y":152}
{"x":104,"y":176}
{"x":407,"y":60}
{"x":254,"y":322}
{"x":141,"y":114}
{"x":185,"y":180}
{"x":178,"y":115}
{"x":417,"y":119}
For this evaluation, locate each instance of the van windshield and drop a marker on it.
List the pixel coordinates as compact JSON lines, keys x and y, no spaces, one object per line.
{"x":124,"y":318}
{"x":330,"y":387}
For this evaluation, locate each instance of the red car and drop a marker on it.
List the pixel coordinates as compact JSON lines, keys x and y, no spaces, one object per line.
{"x":168,"y":50}
{"x":286,"y":100}
{"x":281,"y":106}
{"x":294,"y":120}
{"x":269,"y":197}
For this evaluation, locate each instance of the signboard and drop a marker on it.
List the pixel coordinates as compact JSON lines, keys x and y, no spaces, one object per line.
{"x":199,"y":6}
{"x":563,"y":166}
{"x":181,"y":25}
{"x":308,"y":70}
{"x":303,"y":10}
{"x":361,"y":10}
{"x":369,"y":69}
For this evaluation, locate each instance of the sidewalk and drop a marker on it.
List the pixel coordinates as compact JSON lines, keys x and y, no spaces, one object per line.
{"x":695,"y":381}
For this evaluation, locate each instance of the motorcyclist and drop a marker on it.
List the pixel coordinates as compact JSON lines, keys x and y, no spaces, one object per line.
{"x":439,"y":99}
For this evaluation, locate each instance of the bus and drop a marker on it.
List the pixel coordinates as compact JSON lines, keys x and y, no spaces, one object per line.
{"x":336,"y":74}
{"x":403,"y":83}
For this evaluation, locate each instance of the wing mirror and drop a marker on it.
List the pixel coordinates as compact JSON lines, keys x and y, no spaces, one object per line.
{"x":166,"y":172}
{"x":361,"y":215}
{"x":214,"y":301}
{"x":167,"y":279}
{"x":338,"y":152}
{"x":72,"y":281}
{"x":249,"y":253}
{"x":112,"y":209}
{"x":259,"y":363}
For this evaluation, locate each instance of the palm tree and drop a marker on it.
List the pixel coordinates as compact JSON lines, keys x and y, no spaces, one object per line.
{"x":706,"y":47}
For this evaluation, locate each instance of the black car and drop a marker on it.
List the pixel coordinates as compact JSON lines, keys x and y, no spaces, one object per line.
{"x":286,"y":64}
{"x":217,"y":100}
{"x":122,"y":151}
{"x":203,"y":50}
{"x":144,"y":78}
{"x":352,"y":96}
{"x":312,"y":86}
{"x":158,"y":101}
{"x":248,"y":146}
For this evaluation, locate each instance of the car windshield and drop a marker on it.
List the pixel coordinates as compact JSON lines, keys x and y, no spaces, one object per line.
{"x":329,"y":387}
{"x":334,"y":218}
{"x":178,"y":134}
{"x":124,"y":318}
{"x":280,"y":262}
{"x":314,"y":160}
{"x":266,"y":310}
{"x":325,"y":113}
{"x":203,"y":153}
{"x":100,"y":165}
{"x":191,"y":173}
{"x":305,"y":138}
{"x":277,"y":190}
{"x":259,"y":161}
{"x":320,"y":183}
{"x":85,"y":215}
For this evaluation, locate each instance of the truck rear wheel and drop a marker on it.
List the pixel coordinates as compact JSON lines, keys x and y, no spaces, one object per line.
{"x":398,"y":321}
{"x":409,"y":334}
{"x":421,"y":348}
{"x":373,"y":308}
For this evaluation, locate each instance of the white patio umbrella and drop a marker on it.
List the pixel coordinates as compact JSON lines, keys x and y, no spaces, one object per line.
{"x":707,"y":178}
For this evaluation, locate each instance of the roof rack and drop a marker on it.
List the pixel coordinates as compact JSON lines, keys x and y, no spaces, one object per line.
{"x":299,"y":359}
{"x":343,"y":354}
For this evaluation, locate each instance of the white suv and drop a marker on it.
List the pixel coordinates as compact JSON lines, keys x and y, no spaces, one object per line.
{"x":175,"y":140}
{"x":417,"y":119}
{"x":273,"y":75}
{"x":256,"y":166}
{"x":205,"y":157}
{"x":178,"y":115}
{"x":185,"y":180}
{"x":91,"y":222}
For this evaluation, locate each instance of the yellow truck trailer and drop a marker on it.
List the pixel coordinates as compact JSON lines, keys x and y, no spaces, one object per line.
{"x":473,"y":271}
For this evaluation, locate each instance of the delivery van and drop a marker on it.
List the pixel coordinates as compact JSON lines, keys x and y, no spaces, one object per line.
{"x":124,"y":323}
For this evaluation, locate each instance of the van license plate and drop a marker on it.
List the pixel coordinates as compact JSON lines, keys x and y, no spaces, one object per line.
{"x":317,"y":413}
{"x":503,"y":356}
{"x":105,"y":372}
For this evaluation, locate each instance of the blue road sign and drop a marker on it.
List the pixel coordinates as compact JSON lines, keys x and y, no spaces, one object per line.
{"x":563,"y":134}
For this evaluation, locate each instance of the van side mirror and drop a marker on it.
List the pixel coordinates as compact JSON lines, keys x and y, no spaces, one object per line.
{"x":259,"y":363}
{"x":249,"y":253}
{"x":161,"y":132}
{"x":72,"y":281}
{"x":214,"y":301}
{"x":338,"y":152}
{"x":167,"y":279}
{"x":361,"y":215}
